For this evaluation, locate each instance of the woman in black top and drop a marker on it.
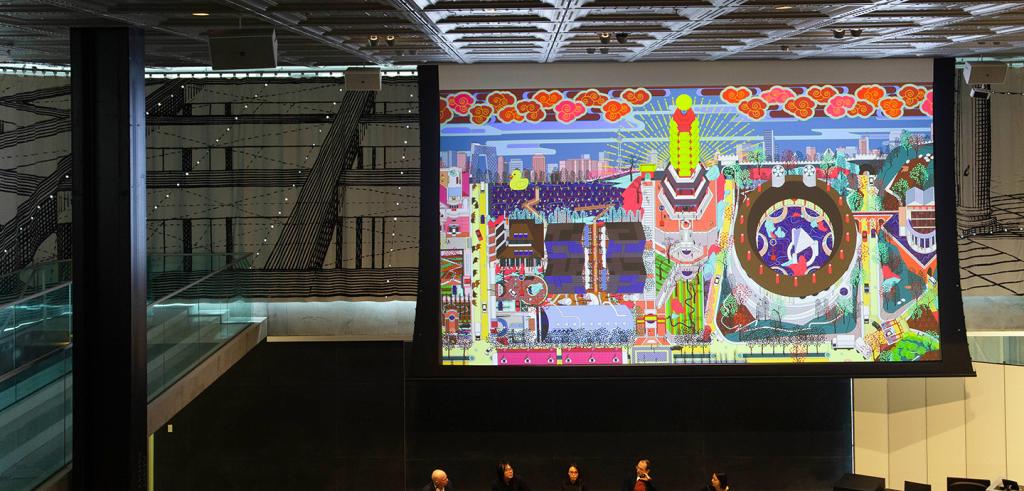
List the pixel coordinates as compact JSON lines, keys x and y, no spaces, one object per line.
{"x":719,"y":482}
{"x":507,"y":480}
{"x":573,"y":481}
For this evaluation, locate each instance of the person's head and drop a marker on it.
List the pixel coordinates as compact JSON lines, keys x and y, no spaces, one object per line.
{"x":719,"y":480}
{"x":574,"y":472}
{"x":643,"y":468}
{"x":439,"y":478}
{"x":505,"y":472}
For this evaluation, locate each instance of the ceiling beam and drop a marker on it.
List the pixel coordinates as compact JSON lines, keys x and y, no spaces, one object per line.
{"x":412,"y":11}
{"x":996,"y":9}
{"x":699,"y":18}
{"x":841,"y":15}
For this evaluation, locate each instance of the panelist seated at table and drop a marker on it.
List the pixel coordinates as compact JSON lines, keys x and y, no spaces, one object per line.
{"x":438,"y":482}
{"x":719,"y":482}
{"x":507,"y":479}
{"x":573,"y":480}
{"x":641,"y":480}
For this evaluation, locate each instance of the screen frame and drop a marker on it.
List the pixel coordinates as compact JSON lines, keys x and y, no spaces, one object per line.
{"x":425,"y":360}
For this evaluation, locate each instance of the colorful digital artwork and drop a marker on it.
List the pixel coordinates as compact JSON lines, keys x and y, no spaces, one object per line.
{"x":711,"y":225}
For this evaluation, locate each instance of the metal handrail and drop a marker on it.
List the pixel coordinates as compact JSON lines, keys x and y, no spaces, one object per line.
{"x":36,"y":294}
{"x":200,"y":280}
{"x":35,"y":361}
{"x":35,"y":271}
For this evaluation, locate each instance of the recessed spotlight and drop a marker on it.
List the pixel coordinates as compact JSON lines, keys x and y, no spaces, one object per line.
{"x":606,"y":37}
{"x":856,"y":32}
{"x":373,"y":39}
{"x":838,"y":33}
{"x":201,"y":14}
{"x":390,"y":39}
{"x":591,"y":51}
{"x":621,"y":37}
{"x":604,"y":51}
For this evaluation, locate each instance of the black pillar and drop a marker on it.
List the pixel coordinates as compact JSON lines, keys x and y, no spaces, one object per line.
{"x":109,"y":250}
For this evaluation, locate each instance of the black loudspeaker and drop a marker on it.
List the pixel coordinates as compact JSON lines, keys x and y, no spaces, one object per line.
{"x":966,"y":484}
{"x":916,"y":486}
{"x":243,"y":49}
{"x":860,"y":482}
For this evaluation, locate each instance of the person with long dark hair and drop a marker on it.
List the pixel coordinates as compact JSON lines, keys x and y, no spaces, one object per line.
{"x":573,"y":480}
{"x":507,"y":479}
{"x":719,"y":482}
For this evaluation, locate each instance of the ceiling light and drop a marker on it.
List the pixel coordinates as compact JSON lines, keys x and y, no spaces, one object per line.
{"x":856,"y":32}
{"x":838,"y":33}
{"x":606,"y":37}
{"x":373,"y":40}
{"x":390,"y":39}
{"x":591,"y":51}
{"x":783,"y":7}
{"x":604,"y":51}
{"x":201,"y":14}
{"x":621,"y":37}
{"x":980,"y":93}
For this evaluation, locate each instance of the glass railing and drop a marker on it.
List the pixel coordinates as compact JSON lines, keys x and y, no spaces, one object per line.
{"x":1004,"y":347}
{"x":195,"y":309}
{"x":35,"y":389}
{"x":189,"y":324}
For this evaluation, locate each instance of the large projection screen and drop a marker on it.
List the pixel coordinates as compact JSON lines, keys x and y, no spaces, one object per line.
{"x":780,"y":217}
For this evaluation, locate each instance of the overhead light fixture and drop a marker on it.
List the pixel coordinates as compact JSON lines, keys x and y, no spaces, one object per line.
{"x":372,"y":41}
{"x":390,"y":39}
{"x":201,"y":14}
{"x":783,"y":7}
{"x":621,"y":37}
{"x":838,"y":33}
{"x":856,"y":32}
{"x":980,"y":93}
{"x":604,"y":51}
{"x":606,"y":37}
{"x":591,"y":51}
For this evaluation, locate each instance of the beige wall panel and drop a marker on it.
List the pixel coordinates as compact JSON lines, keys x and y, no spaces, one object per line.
{"x":871,"y":427}
{"x":1015,"y":422}
{"x":986,"y":422}
{"x":947,"y":433}
{"x":908,"y":447}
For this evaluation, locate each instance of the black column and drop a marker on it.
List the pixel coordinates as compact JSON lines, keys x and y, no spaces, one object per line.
{"x":109,"y":288}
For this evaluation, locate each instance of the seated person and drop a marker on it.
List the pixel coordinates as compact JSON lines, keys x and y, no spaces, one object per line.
{"x":507,"y":480}
{"x":641,"y":480}
{"x":573,"y":481}
{"x":438,"y":482}
{"x":719,"y":482}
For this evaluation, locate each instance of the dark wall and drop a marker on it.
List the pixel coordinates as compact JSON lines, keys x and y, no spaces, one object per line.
{"x":329,"y":416}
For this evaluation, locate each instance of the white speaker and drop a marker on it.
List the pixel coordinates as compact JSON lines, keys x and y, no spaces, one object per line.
{"x":363,"y":79}
{"x":243,"y":49}
{"x":984,"y":72}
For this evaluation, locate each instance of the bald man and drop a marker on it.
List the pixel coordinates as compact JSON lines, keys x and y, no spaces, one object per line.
{"x":438,"y":482}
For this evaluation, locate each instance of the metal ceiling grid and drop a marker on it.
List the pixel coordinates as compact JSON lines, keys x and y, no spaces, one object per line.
{"x":409,"y":32}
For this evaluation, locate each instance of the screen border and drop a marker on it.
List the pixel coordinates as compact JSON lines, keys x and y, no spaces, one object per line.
{"x":425,"y":360}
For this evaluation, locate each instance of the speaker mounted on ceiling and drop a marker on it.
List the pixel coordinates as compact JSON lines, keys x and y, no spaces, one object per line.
{"x":243,"y":49}
{"x":984,"y":72}
{"x":363,"y":79}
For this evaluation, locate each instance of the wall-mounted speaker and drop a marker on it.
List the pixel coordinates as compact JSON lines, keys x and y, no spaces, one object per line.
{"x":984,"y":72}
{"x":363,"y":79}
{"x":859,"y":482}
{"x":243,"y":49}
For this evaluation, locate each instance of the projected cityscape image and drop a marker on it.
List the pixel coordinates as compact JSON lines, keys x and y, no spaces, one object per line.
{"x":688,"y":225}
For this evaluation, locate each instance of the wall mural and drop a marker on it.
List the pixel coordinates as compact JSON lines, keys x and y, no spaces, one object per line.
{"x":658,"y":225}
